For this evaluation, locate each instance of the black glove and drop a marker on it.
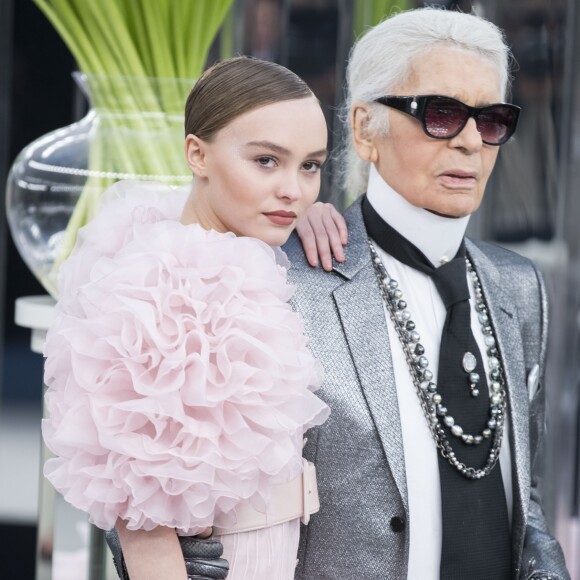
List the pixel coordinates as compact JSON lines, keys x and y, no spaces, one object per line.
{"x":202,"y":557}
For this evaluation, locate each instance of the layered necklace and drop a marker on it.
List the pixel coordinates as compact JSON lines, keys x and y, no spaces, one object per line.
{"x":438,"y":417}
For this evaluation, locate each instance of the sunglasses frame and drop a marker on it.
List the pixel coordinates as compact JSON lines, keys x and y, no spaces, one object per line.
{"x":415,"y":106}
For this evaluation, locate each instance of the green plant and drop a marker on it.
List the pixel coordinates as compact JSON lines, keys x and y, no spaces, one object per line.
{"x":139,"y":58}
{"x":371,"y":12}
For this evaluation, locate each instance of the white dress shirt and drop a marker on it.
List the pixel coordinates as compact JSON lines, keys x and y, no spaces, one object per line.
{"x":439,"y":239}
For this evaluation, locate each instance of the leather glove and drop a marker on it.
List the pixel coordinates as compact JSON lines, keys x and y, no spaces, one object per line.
{"x":534,"y":574}
{"x":202,"y":557}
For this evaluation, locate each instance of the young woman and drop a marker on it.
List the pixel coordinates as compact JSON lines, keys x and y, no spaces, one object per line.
{"x":179,"y":379}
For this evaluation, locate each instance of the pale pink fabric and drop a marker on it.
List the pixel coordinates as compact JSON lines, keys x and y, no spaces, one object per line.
{"x":179,"y":378}
{"x":265,"y":554}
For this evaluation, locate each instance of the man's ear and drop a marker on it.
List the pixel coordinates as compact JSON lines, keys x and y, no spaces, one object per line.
{"x":195,"y":154}
{"x":363,"y":141}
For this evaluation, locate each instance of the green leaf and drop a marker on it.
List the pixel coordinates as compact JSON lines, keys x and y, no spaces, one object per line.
{"x":122,"y":45}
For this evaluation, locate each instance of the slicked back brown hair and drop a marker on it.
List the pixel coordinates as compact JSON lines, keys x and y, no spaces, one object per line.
{"x":235,"y":86}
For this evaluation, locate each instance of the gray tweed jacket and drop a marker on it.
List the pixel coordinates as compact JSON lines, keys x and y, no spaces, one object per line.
{"x":361,"y":529}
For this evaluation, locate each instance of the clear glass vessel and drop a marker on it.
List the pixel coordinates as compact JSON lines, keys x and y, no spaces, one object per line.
{"x":133,"y":130}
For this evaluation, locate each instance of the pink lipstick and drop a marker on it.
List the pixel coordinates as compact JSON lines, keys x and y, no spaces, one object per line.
{"x":281,"y":217}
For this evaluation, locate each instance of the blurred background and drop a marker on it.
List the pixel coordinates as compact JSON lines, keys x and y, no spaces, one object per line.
{"x":532,"y":206}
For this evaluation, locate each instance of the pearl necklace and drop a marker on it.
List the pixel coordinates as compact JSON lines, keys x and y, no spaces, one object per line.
{"x":438,"y":418}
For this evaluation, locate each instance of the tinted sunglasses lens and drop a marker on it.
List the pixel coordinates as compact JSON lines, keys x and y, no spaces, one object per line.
{"x":497,"y":124}
{"x":444,"y":118}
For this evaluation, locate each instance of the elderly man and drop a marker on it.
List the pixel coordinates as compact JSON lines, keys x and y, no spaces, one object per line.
{"x":433,"y":344}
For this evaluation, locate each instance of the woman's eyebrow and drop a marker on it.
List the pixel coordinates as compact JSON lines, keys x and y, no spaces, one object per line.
{"x":319,"y":153}
{"x":282,"y":150}
{"x":269,"y":145}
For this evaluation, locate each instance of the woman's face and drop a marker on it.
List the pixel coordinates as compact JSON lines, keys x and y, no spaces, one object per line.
{"x":260,"y":173}
{"x":447,"y":177}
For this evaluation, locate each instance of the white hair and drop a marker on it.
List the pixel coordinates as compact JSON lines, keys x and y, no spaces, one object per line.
{"x":380,"y":61}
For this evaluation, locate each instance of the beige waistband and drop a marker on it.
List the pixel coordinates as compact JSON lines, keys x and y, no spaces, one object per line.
{"x":296,"y":499}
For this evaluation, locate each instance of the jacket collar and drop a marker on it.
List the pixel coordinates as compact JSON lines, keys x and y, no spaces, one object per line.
{"x":357,"y":250}
{"x":367,"y":335}
{"x":506,"y":323}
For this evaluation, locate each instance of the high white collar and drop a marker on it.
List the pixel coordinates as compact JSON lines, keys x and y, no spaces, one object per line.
{"x":437,"y":237}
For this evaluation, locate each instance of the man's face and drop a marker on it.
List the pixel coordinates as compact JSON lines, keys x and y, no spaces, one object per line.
{"x":446,"y":177}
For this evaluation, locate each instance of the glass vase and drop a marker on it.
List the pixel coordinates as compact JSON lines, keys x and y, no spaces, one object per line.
{"x":133,"y":130}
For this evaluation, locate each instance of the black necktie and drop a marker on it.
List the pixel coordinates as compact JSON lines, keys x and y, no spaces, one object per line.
{"x":476,"y":535}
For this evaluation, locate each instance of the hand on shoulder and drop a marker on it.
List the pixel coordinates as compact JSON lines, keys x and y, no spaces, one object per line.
{"x":323,"y":233}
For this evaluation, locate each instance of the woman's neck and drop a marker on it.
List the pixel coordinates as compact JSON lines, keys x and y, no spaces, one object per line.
{"x":197,"y":210}
{"x":189,"y":215}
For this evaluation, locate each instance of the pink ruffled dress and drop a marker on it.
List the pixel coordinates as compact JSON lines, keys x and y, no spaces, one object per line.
{"x":179,"y":379}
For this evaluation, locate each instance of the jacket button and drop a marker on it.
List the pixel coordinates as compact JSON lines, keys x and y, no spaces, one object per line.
{"x":397,"y":524}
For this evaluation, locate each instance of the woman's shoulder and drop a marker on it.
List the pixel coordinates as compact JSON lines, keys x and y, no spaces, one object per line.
{"x":127,"y":204}
{"x":137,"y":230}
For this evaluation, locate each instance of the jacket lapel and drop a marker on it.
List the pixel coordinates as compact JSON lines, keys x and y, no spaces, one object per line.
{"x":361,"y":311}
{"x":506,"y":325}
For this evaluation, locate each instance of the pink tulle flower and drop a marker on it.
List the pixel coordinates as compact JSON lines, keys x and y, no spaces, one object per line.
{"x":179,"y":378}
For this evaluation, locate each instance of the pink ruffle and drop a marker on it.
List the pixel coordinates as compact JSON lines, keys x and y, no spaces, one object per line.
{"x":180,"y":382}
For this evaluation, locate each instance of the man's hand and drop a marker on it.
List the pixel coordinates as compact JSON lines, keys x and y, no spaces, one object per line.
{"x":160,"y":553}
{"x":203,"y":559}
{"x":322,"y":231}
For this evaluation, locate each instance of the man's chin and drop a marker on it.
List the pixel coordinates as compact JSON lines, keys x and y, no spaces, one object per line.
{"x":452,"y":217}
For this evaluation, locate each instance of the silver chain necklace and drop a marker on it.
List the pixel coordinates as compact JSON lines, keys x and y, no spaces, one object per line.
{"x":438,"y":418}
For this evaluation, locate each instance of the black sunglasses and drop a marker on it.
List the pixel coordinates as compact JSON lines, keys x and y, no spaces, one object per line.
{"x":444,"y":118}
